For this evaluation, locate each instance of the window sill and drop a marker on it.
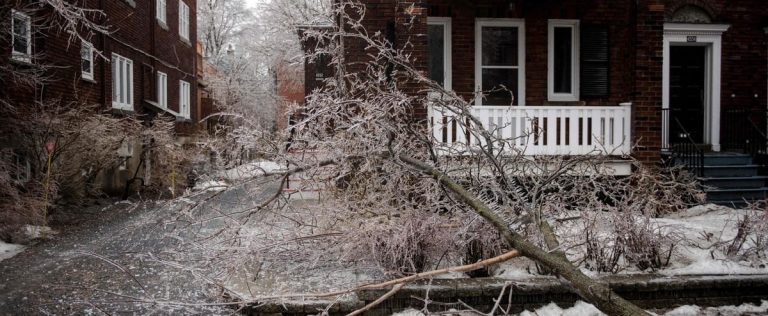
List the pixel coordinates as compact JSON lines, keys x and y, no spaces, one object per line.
{"x":22,"y":60}
{"x":162,"y":24}
{"x":185,"y":41}
{"x":181,"y":119}
{"x":131,"y":3}
{"x":89,"y":80}
{"x":122,"y":111}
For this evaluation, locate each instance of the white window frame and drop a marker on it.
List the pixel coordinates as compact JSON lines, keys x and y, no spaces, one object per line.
{"x":184,"y":99}
{"x":86,"y":45}
{"x":16,"y":55}
{"x":575,"y":60}
{"x":183,"y":20}
{"x":122,"y":81}
{"x":162,"y":89}
{"x":447,"y":48}
{"x":160,"y":10}
{"x":494,"y":22}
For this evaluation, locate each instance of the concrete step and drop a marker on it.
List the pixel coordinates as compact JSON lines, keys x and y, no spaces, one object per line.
{"x":735,"y":182}
{"x":719,"y":171}
{"x":720,"y":159}
{"x":736,"y":195}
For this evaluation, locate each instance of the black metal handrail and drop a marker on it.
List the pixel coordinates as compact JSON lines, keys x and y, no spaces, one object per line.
{"x":745,"y":131}
{"x":687,"y":153}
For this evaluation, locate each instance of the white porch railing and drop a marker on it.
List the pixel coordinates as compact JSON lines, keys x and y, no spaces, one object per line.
{"x":542,"y":130}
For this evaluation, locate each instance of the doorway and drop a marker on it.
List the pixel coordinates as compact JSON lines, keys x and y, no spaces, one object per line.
{"x":687,"y":94}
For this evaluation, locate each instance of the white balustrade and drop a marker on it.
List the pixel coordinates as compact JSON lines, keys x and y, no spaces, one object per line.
{"x":539,"y":130}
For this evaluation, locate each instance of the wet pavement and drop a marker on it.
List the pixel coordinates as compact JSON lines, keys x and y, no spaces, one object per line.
{"x":140,"y":258}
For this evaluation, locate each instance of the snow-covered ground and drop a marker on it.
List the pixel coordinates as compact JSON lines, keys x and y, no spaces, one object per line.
{"x":223,"y":179}
{"x":702,"y":230}
{"x":585,"y":309}
{"x":9,"y":250}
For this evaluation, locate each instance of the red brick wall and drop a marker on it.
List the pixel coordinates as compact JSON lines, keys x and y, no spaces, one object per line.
{"x":648,"y":56}
{"x":136,"y":36}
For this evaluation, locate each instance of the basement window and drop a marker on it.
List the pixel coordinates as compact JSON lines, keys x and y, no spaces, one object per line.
{"x":563,"y":60}
{"x":21,"y":36}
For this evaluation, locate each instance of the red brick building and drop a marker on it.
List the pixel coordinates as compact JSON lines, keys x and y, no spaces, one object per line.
{"x":686,"y":79}
{"x":634,"y":67}
{"x":146,"y":66}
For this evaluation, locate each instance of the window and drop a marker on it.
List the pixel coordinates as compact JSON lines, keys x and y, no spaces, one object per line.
{"x":160,"y":10}
{"x":183,"y":20}
{"x":162,"y":90}
{"x":500,"y":61}
{"x":21,"y":36}
{"x":122,"y":82}
{"x":563,"y":60}
{"x":86,"y":55}
{"x":439,"y":49}
{"x":184,"y":98}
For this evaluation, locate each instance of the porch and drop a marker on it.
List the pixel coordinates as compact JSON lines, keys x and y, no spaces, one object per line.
{"x":541,"y":130}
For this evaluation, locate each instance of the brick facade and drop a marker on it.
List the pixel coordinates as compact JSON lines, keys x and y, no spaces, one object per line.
{"x":635,"y":32}
{"x":136,"y":35}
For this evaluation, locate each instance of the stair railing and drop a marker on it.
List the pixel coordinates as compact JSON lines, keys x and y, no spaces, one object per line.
{"x":745,"y":134}
{"x":687,"y":153}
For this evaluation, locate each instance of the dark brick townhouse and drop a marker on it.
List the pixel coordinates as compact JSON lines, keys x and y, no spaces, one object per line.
{"x":148,"y":66}
{"x":648,"y":78}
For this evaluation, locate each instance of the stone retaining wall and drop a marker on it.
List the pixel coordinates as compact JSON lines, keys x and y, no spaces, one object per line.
{"x":649,"y":292}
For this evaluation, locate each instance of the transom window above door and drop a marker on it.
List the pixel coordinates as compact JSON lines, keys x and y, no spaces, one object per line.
{"x":439,"y":49}
{"x":500,"y":61}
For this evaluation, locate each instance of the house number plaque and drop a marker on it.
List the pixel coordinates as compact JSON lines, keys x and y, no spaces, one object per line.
{"x":691,"y":39}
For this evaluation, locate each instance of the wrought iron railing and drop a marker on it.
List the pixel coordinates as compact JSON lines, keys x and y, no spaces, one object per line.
{"x":683,"y":150}
{"x":745,"y":131}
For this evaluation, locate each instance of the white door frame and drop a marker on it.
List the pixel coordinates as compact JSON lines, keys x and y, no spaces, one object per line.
{"x":709,"y":36}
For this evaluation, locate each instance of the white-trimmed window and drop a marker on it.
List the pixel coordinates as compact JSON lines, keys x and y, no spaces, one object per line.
{"x":439,"y":50}
{"x":21,"y":36}
{"x":563,"y":60}
{"x":122,"y":82}
{"x":183,"y":20}
{"x":500,"y":61}
{"x":162,"y":90}
{"x":160,"y":10}
{"x":184,"y":99}
{"x":86,"y":56}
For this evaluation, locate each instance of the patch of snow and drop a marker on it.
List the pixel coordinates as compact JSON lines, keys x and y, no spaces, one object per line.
{"x":693,"y":310}
{"x":409,"y":312}
{"x":579,"y":309}
{"x":250,"y":170}
{"x":212,"y":185}
{"x":9,"y":250}
{"x":28,"y":234}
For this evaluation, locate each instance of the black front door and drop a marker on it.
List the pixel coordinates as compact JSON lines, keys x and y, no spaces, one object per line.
{"x":687,"y":93}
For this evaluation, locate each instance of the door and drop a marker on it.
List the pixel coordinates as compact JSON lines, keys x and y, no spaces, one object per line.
{"x":687,"y":94}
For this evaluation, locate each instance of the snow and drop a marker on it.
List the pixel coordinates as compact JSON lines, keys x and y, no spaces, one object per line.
{"x":212,"y":185}
{"x":409,"y":312}
{"x":9,"y":250}
{"x":578,"y":309}
{"x":693,"y":310}
{"x":251,"y":170}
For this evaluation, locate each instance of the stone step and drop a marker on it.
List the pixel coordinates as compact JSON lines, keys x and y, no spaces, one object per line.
{"x":719,"y":171}
{"x":736,"y":195}
{"x":734,"y":182}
